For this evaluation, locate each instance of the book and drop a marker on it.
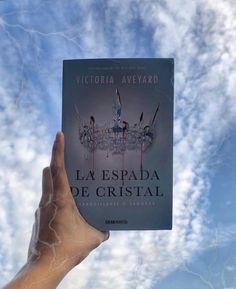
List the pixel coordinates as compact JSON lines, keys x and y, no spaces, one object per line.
{"x":117,"y":119}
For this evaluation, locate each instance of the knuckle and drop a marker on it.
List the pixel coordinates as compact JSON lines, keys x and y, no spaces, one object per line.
{"x":55,"y":169}
{"x":61,"y":202}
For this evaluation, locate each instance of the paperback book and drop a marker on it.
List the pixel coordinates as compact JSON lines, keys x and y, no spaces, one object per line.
{"x":117,"y":118}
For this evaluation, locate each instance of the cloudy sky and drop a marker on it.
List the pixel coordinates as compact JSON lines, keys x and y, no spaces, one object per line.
{"x":35,"y":36}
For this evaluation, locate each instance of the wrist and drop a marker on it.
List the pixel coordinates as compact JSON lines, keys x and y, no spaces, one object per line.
{"x":56,"y":263}
{"x":37,"y":275}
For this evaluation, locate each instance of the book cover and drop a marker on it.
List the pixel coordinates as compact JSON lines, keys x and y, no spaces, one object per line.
{"x":117,"y":118}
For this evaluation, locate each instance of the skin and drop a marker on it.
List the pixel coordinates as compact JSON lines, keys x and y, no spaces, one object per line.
{"x":61,"y":238}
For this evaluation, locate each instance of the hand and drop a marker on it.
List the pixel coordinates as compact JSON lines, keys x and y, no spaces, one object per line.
{"x":61,"y":238}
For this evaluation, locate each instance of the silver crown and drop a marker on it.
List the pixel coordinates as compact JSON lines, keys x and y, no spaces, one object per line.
{"x":121,"y":136}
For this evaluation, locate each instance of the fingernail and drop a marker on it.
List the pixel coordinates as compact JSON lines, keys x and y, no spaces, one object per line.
{"x":58,"y":135}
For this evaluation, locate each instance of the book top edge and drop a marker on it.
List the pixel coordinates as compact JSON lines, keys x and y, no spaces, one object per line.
{"x":118,"y":59}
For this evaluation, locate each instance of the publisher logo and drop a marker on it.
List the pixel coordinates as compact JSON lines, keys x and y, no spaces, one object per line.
{"x":116,"y":221}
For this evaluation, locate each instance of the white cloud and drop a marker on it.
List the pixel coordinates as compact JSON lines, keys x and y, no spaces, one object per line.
{"x":22,"y":157}
{"x":199,"y":35}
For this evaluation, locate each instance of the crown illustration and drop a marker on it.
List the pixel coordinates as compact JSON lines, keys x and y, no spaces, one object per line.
{"x":119,"y":137}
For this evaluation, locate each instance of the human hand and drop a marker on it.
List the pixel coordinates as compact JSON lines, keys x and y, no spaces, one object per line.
{"x":61,"y":238}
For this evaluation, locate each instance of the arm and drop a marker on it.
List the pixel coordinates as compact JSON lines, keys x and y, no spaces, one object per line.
{"x":61,"y":238}
{"x":36,"y":276}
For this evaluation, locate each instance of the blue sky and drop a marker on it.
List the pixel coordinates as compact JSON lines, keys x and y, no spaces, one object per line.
{"x":200,"y":35}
